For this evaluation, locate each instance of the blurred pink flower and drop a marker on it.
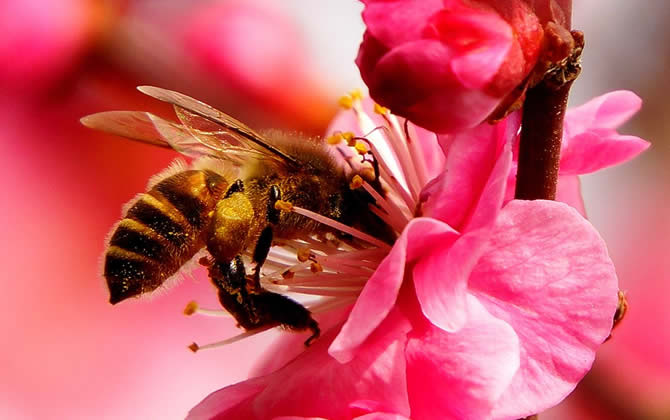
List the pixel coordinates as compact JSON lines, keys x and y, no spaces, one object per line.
{"x":496,"y":316}
{"x":430,"y":61}
{"x":259,"y":53}
{"x":591,"y":143}
{"x":41,"y":41}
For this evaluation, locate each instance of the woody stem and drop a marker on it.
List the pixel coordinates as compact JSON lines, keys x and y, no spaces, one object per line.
{"x":540,"y":144}
{"x":542,"y":122}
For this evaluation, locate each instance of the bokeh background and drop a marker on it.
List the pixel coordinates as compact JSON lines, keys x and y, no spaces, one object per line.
{"x":68,"y":354}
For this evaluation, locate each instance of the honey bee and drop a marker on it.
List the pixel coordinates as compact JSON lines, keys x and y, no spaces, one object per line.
{"x":228,"y":209}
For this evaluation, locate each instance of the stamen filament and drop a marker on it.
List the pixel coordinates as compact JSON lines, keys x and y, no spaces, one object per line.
{"x":416,"y":153}
{"x":193,"y":308}
{"x":341,"y":226}
{"x":195,"y":347}
{"x":330,"y":303}
{"x":394,"y":216}
{"x":395,"y":186}
{"x":398,"y":144}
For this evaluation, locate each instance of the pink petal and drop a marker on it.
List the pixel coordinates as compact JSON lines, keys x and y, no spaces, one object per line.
{"x":606,"y":111}
{"x":461,"y":375}
{"x":376,"y":373}
{"x":441,"y":274}
{"x":393,"y":22}
{"x":471,"y":159}
{"x":288,"y":346}
{"x":316,"y":385}
{"x":481,"y":40}
{"x":442,"y":110}
{"x":569,"y":191}
{"x":381,"y":290}
{"x":547,"y":273}
{"x":227,"y":402}
{"x":441,"y":278}
{"x":422,"y":64}
{"x":433,"y":156}
{"x":598,"y":149}
{"x":382,"y":416}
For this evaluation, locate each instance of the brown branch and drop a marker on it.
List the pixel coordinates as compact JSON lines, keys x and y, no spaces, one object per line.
{"x":542,"y":123}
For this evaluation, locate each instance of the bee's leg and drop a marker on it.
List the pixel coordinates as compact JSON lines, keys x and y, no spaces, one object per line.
{"x":237,"y":186}
{"x":264,"y":242}
{"x":261,"y":252}
{"x":258,"y":308}
{"x":287,"y":312}
{"x":230,"y":281}
{"x":273,"y":213}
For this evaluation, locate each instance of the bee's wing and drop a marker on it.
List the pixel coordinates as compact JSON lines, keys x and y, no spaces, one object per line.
{"x":217,"y":129}
{"x":148,"y":128}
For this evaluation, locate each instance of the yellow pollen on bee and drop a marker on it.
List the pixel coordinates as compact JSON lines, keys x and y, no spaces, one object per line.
{"x":284,"y":206}
{"x":361,"y":148}
{"x":334,"y":139}
{"x":356,"y":182}
{"x":381,"y":110}
{"x":303,"y":254}
{"x":315,"y":267}
{"x":190,"y":308}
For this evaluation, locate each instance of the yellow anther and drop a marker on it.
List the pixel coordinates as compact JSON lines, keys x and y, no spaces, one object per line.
{"x":356,"y":94}
{"x":381,"y":110}
{"x":194,"y":347}
{"x":334,"y":139}
{"x":356,"y":182}
{"x":191,"y":308}
{"x":346,"y":102}
{"x":315,"y":267}
{"x":348,"y":135}
{"x":303,"y":254}
{"x":351,"y":142}
{"x":283,"y":206}
{"x":361,"y":148}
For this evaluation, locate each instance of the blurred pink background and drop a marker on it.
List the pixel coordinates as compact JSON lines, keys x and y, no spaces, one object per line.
{"x":69,"y":354}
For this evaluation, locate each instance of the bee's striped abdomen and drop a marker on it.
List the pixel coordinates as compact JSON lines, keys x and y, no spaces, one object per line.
{"x":161,"y":230}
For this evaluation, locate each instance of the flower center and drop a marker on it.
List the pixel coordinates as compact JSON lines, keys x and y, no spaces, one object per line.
{"x":326,"y":272}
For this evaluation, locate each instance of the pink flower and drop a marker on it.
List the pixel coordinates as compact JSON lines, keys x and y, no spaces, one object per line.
{"x":591,"y":143}
{"x":430,"y":61}
{"x":478,"y":310}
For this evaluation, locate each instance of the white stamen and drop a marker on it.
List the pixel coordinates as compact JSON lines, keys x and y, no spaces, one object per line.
{"x":393,"y":216}
{"x":416,"y":152}
{"x":341,"y":227}
{"x":398,"y":144}
{"x":195,"y":347}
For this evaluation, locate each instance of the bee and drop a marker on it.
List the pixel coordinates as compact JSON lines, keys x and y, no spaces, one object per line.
{"x":229,"y":209}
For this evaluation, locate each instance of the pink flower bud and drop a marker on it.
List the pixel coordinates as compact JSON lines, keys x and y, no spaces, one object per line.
{"x":447,"y":64}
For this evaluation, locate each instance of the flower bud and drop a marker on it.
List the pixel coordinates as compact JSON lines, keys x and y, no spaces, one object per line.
{"x":447,"y":64}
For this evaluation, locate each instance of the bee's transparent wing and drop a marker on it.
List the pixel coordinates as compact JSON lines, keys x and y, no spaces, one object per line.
{"x":148,"y":128}
{"x":217,"y":129}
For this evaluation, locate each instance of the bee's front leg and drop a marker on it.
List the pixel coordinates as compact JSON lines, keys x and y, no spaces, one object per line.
{"x":264,"y":243}
{"x":230,"y":280}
